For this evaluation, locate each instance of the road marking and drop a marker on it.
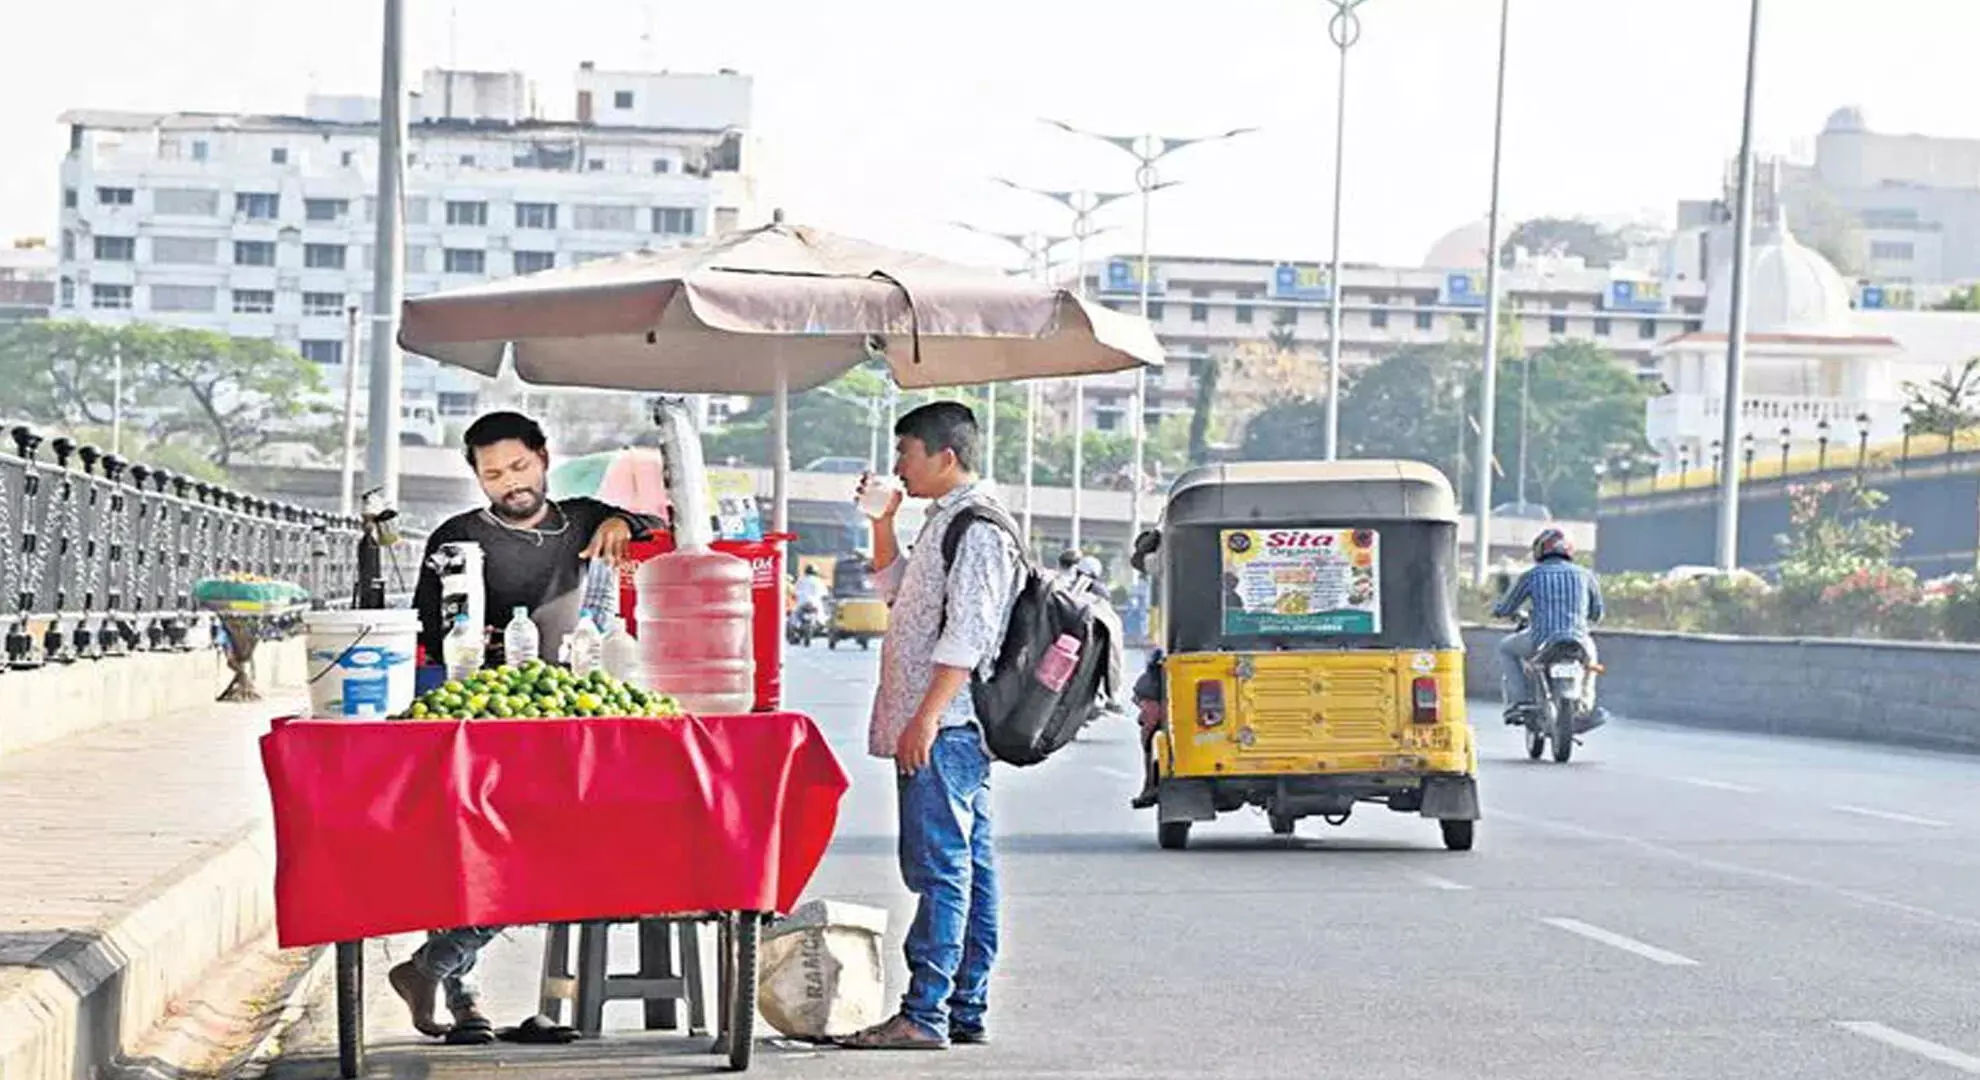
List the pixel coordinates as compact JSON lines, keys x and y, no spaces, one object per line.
{"x":1626,"y":944}
{"x":1717,"y":785}
{"x":1930,"y":1051}
{"x":1436,"y":882}
{"x":1118,"y":774}
{"x":1890,"y":815}
{"x":1854,"y":896}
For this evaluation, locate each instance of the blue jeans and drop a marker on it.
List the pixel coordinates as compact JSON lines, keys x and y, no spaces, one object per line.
{"x":449,"y":956}
{"x":948,"y":862}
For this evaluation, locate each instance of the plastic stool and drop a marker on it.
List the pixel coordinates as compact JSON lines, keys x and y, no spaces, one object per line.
{"x":657,"y":983}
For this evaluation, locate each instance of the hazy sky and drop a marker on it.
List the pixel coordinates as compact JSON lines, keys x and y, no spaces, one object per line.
{"x":888,"y":118}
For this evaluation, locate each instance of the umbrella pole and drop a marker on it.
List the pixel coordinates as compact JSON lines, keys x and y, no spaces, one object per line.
{"x":780,"y":455}
{"x":1030,"y":454}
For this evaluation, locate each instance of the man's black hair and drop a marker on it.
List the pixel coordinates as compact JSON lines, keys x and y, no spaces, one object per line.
{"x":944,"y":425}
{"x":1069,"y":558}
{"x":501,"y":427}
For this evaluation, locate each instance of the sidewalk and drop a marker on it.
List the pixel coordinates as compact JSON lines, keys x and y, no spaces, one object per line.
{"x":133,"y":857}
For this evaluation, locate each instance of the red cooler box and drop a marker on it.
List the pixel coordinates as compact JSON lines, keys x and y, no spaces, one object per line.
{"x":766,"y":560}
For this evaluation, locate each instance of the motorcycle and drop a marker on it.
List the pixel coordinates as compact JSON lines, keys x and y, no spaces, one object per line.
{"x":1563,"y":682}
{"x":806,"y":623}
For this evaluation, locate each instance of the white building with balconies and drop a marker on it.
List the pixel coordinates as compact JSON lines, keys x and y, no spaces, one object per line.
{"x":263,"y":225}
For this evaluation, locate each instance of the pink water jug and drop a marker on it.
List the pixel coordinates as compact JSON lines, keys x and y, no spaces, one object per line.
{"x":695,"y":619}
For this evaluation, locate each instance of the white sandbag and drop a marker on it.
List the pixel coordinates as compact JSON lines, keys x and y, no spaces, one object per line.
{"x":821,"y":972}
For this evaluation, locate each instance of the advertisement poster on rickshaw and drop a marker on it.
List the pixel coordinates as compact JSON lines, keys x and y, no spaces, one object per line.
{"x":1302,"y":581}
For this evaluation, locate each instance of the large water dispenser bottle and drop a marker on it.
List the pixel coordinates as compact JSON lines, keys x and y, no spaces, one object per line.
{"x":695,"y":613}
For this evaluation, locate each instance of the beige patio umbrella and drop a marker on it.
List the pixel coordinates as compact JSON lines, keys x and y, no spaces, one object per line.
{"x":771,"y":310}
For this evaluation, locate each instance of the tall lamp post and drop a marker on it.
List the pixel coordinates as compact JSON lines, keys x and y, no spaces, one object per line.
{"x":1083,"y":204}
{"x":1481,"y":511}
{"x":1344,"y":28}
{"x":381,"y":459}
{"x":1037,"y":248}
{"x":1146,"y":150}
{"x":1728,"y":538}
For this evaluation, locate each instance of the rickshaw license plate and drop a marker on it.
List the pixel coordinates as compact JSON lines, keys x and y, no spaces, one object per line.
{"x":1435,"y":738}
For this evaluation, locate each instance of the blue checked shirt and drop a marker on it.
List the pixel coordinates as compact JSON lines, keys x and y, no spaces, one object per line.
{"x":1565,"y":599}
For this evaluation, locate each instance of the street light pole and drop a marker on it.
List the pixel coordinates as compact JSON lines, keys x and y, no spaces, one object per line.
{"x":1083,"y":204}
{"x":1146,"y":150}
{"x":1036,"y":248}
{"x":1345,"y":29}
{"x":1728,"y":538}
{"x":347,"y":449}
{"x":381,"y":463}
{"x":1481,"y":511}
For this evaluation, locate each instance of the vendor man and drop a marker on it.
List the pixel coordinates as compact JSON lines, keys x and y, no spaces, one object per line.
{"x":535,"y":551}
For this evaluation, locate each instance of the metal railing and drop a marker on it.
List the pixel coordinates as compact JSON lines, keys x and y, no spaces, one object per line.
{"x":99,"y":556}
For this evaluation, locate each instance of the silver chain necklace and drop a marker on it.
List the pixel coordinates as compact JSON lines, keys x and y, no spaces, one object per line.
{"x":534,"y":534}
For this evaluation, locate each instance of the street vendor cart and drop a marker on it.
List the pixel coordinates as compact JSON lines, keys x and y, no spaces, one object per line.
{"x":388,"y":827}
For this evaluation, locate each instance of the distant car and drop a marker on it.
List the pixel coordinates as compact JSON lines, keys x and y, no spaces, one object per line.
{"x":1523,"y":511}
{"x":845,"y":466}
{"x":419,"y":425}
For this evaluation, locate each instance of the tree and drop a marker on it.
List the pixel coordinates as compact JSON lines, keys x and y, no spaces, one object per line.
{"x":1964,"y":299}
{"x":1945,"y":406}
{"x":227,"y":397}
{"x":1595,"y":245}
{"x":1420,"y":403}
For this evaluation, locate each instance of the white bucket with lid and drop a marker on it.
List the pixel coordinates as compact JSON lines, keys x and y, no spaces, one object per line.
{"x":361,"y":662}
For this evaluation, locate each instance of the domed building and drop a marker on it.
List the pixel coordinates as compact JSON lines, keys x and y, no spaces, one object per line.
{"x":1812,"y":371}
{"x":1463,"y":248}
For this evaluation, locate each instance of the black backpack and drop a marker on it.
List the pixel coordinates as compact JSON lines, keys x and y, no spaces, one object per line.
{"x":1024,"y":721}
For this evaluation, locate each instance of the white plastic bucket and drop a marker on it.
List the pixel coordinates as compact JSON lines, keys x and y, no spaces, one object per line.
{"x":361,"y":662}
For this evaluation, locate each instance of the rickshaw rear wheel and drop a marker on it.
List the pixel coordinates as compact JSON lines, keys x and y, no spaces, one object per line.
{"x":1458,"y":835}
{"x":865,"y":643}
{"x":1282,"y":824}
{"x":1173,"y":835}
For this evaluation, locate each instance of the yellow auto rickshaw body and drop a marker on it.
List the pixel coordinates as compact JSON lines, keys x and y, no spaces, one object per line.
{"x":1313,"y":660}
{"x":858,"y":613}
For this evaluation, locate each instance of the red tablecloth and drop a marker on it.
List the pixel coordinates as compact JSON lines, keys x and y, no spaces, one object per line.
{"x":394,"y":826}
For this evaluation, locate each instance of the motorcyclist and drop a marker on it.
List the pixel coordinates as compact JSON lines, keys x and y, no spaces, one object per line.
{"x":1565,"y":599}
{"x":811,"y":593}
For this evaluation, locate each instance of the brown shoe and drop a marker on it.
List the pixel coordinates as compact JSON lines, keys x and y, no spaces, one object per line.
{"x":418,"y":990}
{"x":898,"y":1033}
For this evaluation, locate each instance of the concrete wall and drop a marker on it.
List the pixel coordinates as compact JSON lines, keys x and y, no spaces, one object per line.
{"x":47,"y":703}
{"x":1900,"y":693}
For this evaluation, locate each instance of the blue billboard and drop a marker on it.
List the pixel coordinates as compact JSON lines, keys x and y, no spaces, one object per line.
{"x":1292,"y":281}
{"x":1463,"y":288}
{"x":1124,"y":276}
{"x":1640,"y":296}
{"x":1885,"y":298}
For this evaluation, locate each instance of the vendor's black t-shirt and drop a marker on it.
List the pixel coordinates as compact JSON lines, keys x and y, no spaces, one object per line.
{"x":539,"y":569}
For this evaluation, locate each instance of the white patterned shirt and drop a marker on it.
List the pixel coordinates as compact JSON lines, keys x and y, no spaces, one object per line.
{"x":977,"y":594}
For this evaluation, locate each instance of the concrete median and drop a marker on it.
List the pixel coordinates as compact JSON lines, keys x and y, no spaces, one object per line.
{"x":1897,"y":693}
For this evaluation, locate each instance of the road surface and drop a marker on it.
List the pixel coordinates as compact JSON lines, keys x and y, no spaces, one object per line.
{"x":1673,"y":903}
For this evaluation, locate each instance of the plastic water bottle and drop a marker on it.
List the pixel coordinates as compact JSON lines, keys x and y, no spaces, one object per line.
{"x":521,"y":642}
{"x":1058,"y":663}
{"x":619,"y":653}
{"x":581,"y":645}
{"x":601,"y":592}
{"x":462,"y":649}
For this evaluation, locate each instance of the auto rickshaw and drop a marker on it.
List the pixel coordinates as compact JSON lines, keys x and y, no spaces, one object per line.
{"x":1321,"y":665}
{"x":858,"y":613}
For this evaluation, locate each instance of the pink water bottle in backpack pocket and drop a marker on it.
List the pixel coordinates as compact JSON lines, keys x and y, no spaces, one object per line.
{"x":1056,"y":667}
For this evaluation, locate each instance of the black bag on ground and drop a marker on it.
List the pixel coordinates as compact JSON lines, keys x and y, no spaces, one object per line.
{"x":1025,"y":721}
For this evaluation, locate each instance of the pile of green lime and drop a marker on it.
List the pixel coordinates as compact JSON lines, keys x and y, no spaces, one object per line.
{"x":537,"y":690}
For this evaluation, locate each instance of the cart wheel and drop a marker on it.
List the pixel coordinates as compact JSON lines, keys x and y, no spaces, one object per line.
{"x":1282,"y":824}
{"x":865,"y":643}
{"x":740,"y":994}
{"x":1172,"y":835}
{"x":350,"y":1009}
{"x":832,"y":642}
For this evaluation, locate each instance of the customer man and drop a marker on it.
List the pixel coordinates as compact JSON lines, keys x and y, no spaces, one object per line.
{"x":947,"y":624}
{"x":534,"y":555}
